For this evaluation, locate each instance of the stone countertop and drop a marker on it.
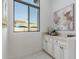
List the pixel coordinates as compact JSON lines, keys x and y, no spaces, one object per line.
{"x":60,"y":37}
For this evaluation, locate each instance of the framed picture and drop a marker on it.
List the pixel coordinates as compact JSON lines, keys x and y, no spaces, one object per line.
{"x":64,"y":18}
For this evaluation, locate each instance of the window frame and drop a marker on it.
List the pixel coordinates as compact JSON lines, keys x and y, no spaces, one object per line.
{"x":29,"y":5}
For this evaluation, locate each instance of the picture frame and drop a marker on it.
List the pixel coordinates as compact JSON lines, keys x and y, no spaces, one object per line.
{"x":64,"y":18}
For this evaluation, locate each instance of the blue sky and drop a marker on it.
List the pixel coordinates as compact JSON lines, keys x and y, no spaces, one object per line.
{"x":21,"y":12}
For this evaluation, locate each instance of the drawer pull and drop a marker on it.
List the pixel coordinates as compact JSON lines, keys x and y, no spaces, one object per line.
{"x":61,"y":47}
{"x":56,"y":41}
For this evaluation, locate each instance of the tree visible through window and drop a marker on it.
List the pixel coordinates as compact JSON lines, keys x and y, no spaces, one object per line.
{"x":26,"y":15}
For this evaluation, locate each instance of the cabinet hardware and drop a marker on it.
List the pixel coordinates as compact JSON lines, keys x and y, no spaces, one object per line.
{"x":56,"y":41}
{"x":61,"y":47}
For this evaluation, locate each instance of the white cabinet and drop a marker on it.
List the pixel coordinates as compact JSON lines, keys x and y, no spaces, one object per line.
{"x":48,"y":45}
{"x":60,"y":47}
{"x":56,"y":49}
{"x":45,"y":42}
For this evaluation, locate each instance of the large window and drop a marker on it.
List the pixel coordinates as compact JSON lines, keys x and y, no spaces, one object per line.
{"x":26,"y":15}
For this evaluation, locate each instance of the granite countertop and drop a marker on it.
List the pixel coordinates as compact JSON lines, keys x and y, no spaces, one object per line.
{"x":65,"y":37}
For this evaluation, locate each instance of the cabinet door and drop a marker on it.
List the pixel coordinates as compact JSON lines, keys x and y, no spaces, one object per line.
{"x":60,"y":50}
{"x":45,"y":44}
{"x":56,"y":49}
{"x":50,"y":47}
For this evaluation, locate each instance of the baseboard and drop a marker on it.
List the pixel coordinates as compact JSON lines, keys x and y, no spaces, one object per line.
{"x":48,"y":54}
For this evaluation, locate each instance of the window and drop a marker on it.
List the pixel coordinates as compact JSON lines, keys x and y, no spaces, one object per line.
{"x":4,"y":13}
{"x":34,"y":2}
{"x":21,"y":17}
{"x":26,"y":16}
{"x":34,"y":19}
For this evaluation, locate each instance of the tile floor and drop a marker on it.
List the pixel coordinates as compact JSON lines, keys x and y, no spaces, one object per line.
{"x":40,"y":55}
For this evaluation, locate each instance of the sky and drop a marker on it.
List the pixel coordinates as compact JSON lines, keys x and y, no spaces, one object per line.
{"x":21,"y":12}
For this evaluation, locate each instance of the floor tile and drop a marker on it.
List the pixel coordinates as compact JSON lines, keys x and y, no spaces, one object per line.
{"x":40,"y":55}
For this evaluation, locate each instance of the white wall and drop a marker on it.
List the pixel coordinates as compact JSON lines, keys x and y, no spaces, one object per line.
{"x":57,"y":5}
{"x":4,"y":43}
{"x":4,"y":31}
{"x":24,"y":43}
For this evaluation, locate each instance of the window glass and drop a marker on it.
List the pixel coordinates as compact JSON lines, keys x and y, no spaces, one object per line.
{"x":26,"y":16}
{"x":21,"y":17}
{"x":34,"y":2}
{"x":33,"y":19}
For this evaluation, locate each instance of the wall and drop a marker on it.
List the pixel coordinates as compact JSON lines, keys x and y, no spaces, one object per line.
{"x":4,"y":43}
{"x":24,"y":43}
{"x":4,"y":30}
{"x":57,"y":5}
